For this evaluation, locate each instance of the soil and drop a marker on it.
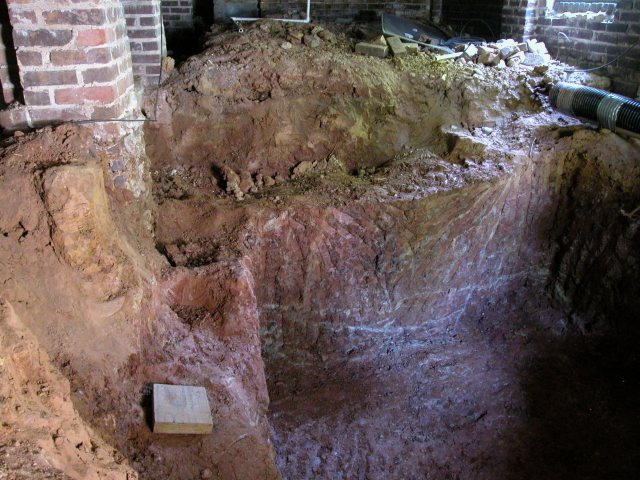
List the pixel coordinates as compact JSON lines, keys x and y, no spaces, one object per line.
{"x":378,"y":268}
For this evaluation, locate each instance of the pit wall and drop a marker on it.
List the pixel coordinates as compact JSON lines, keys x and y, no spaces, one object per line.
{"x":331,"y":279}
{"x":591,"y":43}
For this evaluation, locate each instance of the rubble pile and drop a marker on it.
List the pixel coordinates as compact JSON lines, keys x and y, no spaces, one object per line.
{"x":500,"y":54}
{"x":338,"y":96}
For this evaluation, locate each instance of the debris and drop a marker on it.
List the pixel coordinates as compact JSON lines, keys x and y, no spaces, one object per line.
{"x":433,"y":38}
{"x":508,"y":51}
{"x":448,"y":56}
{"x":327,"y":36}
{"x":515,"y":59}
{"x":287,"y":45}
{"x":206,"y":474}
{"x":534,"y":60}
{"x":397,"y":47}
{"x":233,"y":182}
{"x":483,"y":50}
{"x":489,"y":59}
{"x":311,"y":40}
{"x":379,"y":40}
{"x":168,"y":64}
{"x":541,"y":69}
{"x":181,"y":409}
{"x":295,"y":36}
{"x":246,"y":182}
{"x":269,"y":181}
{"x":302,"y":168}
{"x":470,"y":51}
{"x":371,"y":49}
{"x":412,"y":48}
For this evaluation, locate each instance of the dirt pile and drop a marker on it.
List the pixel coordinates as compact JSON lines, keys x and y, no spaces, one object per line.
{"x":447,"y":288}
{"x":249,"y":104}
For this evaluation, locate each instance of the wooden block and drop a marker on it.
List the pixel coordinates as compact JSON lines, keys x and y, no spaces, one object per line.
{"x":181,"y":409}
{"x":397,"y":47}
{"x":372,"y":49}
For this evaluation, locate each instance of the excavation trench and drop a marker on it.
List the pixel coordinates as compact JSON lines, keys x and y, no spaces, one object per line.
{"x":428,"y":319}
{"x":447,"y":292}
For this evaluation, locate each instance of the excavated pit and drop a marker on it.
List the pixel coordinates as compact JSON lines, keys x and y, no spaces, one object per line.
{"x":424,"y":318}
{"x":449,"y":291}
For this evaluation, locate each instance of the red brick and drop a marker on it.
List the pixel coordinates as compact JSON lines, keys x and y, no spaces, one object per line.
{"x":78,"y":57}
{"x":42,"y":38}
{"x":32,"y":98}
{"x":148,"y":58}
{"x":106,"y":113}
{"x":91,"y":38}
{"x":150,"y":33}
{"x":11,"y":119}
{"x":49,"y":77}
{"x":23,"y":16}
{"x":139,"y":10}
{"x":80,"y":95}
{"x":75,"y":17}
{"x":100,"y":75}
{"x":45,"y":116}
{"x":124,"y":84}
{"x":29,"y":59}
{"x":151,"y":46}
{"x":153,"y":70}
{"x":149,"y":21}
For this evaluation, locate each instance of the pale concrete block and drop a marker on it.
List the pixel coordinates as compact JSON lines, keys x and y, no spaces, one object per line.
{"x":397,"y":47}
{"x":372,"y":49}
{"x":181,"y":409}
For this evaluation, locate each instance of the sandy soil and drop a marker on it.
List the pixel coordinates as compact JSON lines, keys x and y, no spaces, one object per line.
{"x":376,"y":268}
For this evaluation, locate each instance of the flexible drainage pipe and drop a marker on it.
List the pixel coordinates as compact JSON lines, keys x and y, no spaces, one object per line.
{"x":612,"y":111}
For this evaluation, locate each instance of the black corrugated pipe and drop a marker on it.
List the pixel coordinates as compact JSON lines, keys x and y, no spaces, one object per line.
{"x":612,"y":111}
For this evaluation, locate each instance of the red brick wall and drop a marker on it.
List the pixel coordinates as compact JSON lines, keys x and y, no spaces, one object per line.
{"x":519,"y":18}
{"x":177,"y":15}
{"x":74,"y":59}
{"x":145,"y":39}
{"x":591,"y":44}
{"x":340,"y":10}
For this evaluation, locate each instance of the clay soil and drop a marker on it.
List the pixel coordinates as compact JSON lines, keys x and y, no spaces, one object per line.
{"x":377,"y":268}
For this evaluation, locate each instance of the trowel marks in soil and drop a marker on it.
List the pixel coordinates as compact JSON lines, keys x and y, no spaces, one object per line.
{"x":449,"y":291}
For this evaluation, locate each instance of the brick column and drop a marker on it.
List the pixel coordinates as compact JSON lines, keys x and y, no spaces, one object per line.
{"x":144,"y":28}
{"x":8,"y":64}
{"x":74,"y":59}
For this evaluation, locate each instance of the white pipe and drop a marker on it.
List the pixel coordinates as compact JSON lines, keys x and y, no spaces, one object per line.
{"x":292,"y":20}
